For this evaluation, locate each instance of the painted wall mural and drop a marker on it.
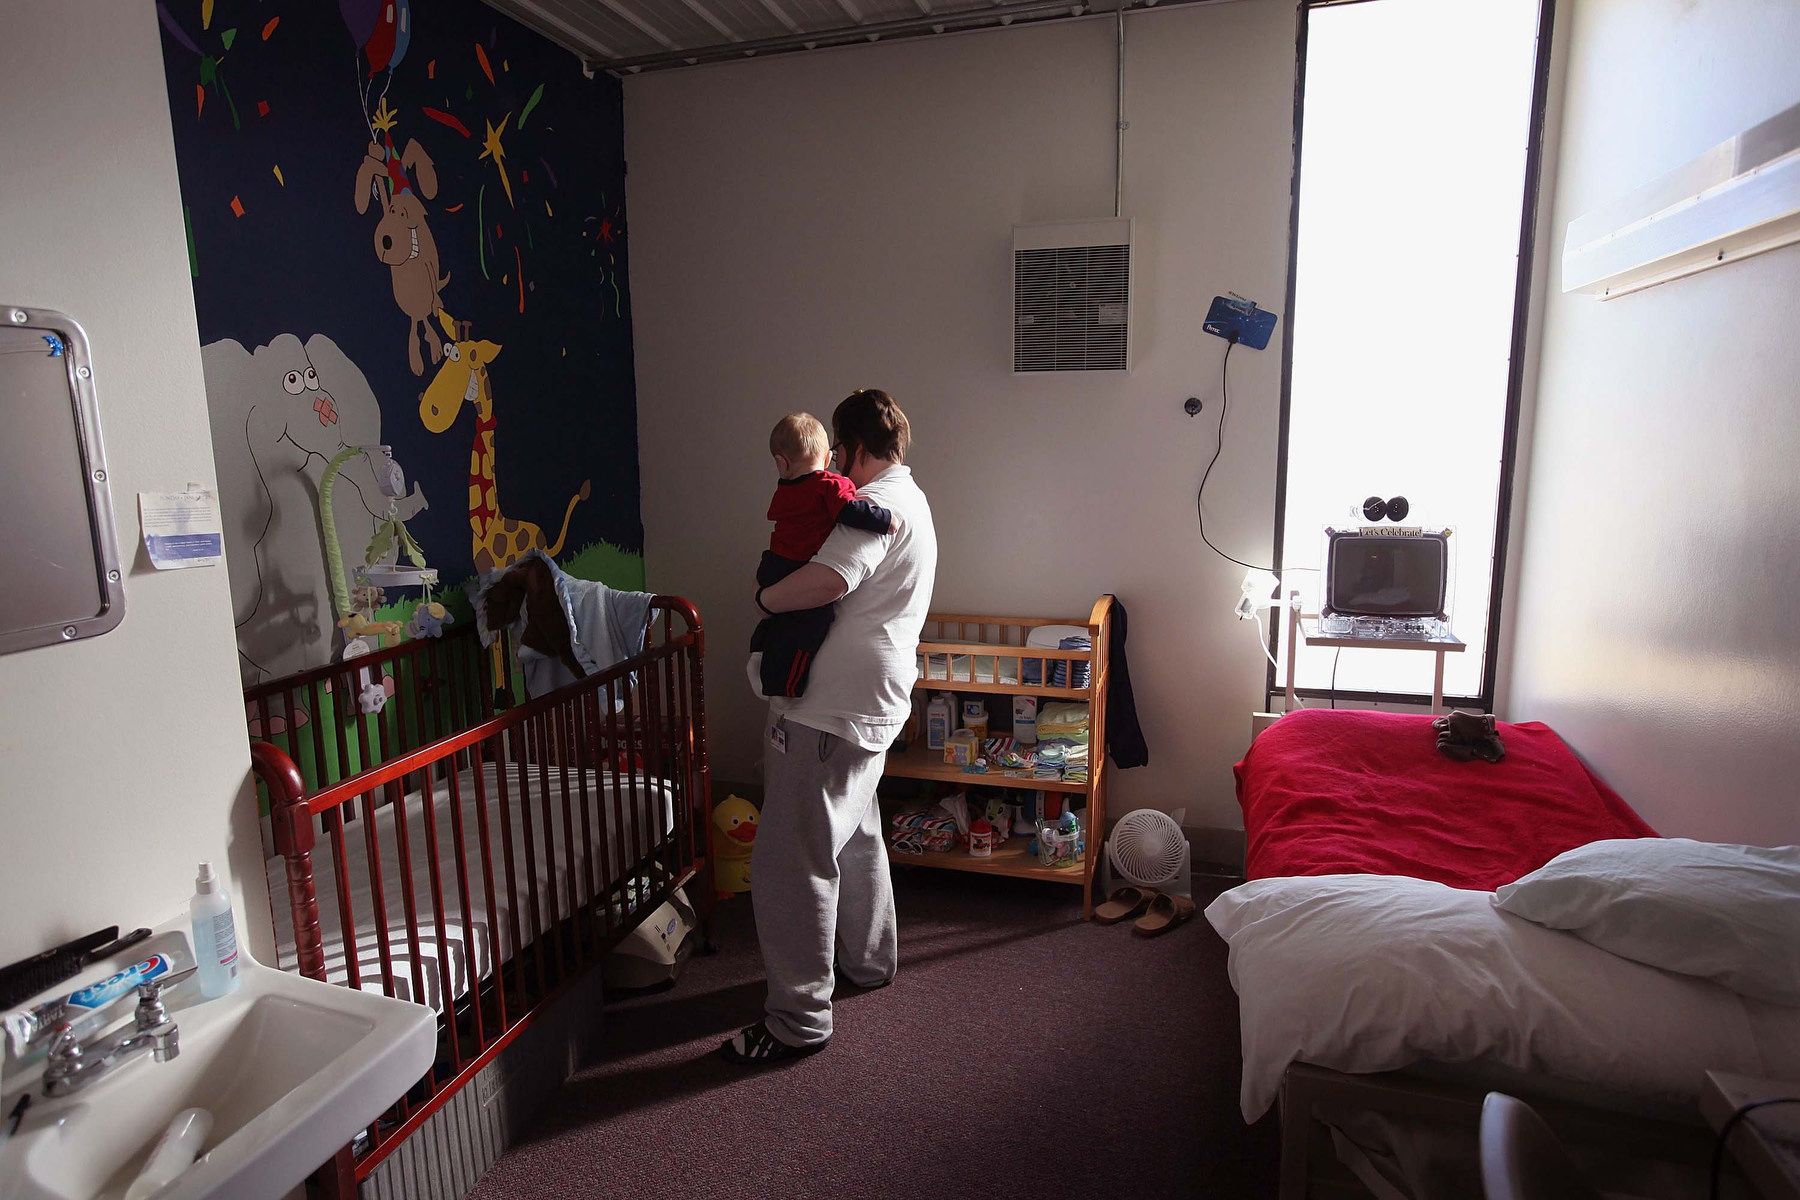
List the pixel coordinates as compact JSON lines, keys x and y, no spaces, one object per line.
{"x":406,"y":226}
{"x":279,"y":412}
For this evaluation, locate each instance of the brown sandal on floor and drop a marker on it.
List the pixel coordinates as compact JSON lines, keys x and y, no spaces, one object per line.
{"x":1126,"y":902}
{"x":1165,"y":913}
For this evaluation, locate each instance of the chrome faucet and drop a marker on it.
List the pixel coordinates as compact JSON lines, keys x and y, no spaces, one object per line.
{"x":72,"y":1064}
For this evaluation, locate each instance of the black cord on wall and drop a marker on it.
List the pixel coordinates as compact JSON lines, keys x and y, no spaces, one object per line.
{"x":1193,"y":409}
{"x":1200,"y":498}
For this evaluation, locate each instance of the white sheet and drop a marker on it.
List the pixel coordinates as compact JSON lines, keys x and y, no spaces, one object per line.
{"x":626,"y":842}
{"x":1364,"y":973}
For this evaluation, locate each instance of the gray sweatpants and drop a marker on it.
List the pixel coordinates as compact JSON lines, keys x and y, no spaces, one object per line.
{"x":820,"y":873}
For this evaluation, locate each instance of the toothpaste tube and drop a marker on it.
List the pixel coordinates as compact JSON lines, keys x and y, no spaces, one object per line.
{"x":99,"y":995}
{"x":25,"y":1026}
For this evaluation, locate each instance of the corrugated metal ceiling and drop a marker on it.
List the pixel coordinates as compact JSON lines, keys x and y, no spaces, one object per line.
{"x":630,"y":35}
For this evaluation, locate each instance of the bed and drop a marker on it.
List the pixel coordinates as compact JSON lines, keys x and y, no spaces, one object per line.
{"x":1380,"y":991}
{"x":1353,"y":792}
{"x":438,"y":836}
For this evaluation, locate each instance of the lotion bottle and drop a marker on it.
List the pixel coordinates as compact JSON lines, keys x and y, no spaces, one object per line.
{"x":215,"y":935}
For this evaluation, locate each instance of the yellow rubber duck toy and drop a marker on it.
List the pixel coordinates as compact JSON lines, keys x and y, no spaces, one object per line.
{"x":734,"y":828}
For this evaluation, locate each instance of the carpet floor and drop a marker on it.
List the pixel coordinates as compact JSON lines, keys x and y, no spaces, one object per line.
{"x":1019,"y":1052}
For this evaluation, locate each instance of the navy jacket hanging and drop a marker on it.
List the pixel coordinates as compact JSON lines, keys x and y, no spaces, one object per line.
{"x":1124,"y":736}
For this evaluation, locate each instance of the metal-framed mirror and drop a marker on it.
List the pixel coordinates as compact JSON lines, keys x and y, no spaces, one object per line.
{"x":61,"y":555}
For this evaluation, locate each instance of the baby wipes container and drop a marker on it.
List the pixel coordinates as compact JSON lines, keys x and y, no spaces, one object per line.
{"x":938,"y":723}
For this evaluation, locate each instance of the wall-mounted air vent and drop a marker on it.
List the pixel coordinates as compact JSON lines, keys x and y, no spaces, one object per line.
{"x":1072,"y":296}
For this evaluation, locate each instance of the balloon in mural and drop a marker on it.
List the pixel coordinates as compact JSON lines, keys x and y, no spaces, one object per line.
{"x":388,"y":41}
{"x":381,"y":29}
{"x":359,"y":16}
{"x":402,"y":32}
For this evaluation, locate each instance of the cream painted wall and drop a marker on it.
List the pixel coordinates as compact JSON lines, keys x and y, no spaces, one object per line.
{"x":123,"y":759}
{"x":1660,"y":554}
{"x":811,"y":224}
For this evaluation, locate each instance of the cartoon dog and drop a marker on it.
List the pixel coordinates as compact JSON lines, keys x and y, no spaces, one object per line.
{"x":403,"y":240}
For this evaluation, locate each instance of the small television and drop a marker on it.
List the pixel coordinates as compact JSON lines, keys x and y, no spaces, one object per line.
{"x":1386,"y":571}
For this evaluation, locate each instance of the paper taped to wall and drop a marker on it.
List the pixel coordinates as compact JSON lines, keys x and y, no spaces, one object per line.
{"x":182,"y":529}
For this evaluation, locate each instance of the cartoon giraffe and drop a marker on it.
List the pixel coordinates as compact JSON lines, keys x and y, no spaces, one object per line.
{"x":463,"y":377}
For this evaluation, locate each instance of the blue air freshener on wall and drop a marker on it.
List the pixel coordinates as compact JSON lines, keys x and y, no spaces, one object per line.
{"x":1239,"y":320}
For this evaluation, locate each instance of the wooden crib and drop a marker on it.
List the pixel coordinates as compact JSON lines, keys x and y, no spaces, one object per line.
{"x":471,"y":849}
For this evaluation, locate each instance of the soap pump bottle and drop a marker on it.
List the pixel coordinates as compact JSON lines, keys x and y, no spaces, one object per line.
{"x":215,"y":935}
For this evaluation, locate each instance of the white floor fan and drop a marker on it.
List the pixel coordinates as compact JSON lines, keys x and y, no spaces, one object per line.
{"x":1147,"y":848}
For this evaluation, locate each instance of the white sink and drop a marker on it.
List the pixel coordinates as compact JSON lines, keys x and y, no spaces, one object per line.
{"x":290,"y":1069}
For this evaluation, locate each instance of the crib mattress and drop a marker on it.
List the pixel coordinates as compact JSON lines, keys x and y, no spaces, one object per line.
{"x":634,"y":818}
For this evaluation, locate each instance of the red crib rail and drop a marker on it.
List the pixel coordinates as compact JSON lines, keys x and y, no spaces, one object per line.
{"x":636,"y":727}
{"x":435,"y":686}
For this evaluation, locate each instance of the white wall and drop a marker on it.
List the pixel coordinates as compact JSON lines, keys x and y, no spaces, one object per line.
{"x":123,"y":759}
{"x":807,"y":225}
{"x":1661,"y":546}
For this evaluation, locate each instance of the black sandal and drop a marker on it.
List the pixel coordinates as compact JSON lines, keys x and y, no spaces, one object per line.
{"x":754,"y":1044}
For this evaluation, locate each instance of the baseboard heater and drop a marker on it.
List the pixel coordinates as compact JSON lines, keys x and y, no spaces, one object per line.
{"x":456,"y":1145}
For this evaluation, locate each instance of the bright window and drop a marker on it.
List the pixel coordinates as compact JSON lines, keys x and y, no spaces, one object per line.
{"x":1416,"y":120}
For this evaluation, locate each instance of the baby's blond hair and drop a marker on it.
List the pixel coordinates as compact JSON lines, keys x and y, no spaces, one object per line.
{"x":799,"y":437}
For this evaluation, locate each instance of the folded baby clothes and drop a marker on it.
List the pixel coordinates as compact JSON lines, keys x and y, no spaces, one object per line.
{"x":1063,"y":722}
{"x":1075,"y":764}
{"x":1059,"y":671}
{"x":1050,"y":760}
{"x":1015,"y":758}
{"x":1466,"y":735}
{"x":921,"y":830}
{"x":1046,"y":637}
{"x":915,"y":842}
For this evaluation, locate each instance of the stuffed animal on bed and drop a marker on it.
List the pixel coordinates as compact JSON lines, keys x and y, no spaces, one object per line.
{"x":734,"y":839}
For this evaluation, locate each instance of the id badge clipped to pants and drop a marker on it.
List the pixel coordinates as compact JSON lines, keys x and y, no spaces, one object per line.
{"x":778,"y":735}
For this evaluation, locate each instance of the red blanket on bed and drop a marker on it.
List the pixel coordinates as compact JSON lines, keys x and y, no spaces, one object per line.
{"x":1367,"y":793}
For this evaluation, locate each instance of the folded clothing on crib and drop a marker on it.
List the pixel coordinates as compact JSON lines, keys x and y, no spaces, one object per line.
{"x":1057,"y":637}
{"x":1059,"y":671}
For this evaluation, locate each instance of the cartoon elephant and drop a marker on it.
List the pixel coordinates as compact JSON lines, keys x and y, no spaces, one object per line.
{"x":402,"y":238}
{"x":279,"y":413}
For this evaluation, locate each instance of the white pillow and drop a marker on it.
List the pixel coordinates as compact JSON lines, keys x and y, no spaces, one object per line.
{"x":1730,"y":914}
{"x":1375,"y":972}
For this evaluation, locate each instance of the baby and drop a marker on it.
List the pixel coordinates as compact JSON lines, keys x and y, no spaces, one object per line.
{"x":809,"y":502}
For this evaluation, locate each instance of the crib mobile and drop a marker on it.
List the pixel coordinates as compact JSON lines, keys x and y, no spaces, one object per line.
{"x":356,"y":605}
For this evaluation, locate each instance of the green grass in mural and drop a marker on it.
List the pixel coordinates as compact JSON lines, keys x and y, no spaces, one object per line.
{"x":607,"y":563}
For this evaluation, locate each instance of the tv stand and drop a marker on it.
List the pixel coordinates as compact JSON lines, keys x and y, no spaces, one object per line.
{"x":1299,"y":631}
